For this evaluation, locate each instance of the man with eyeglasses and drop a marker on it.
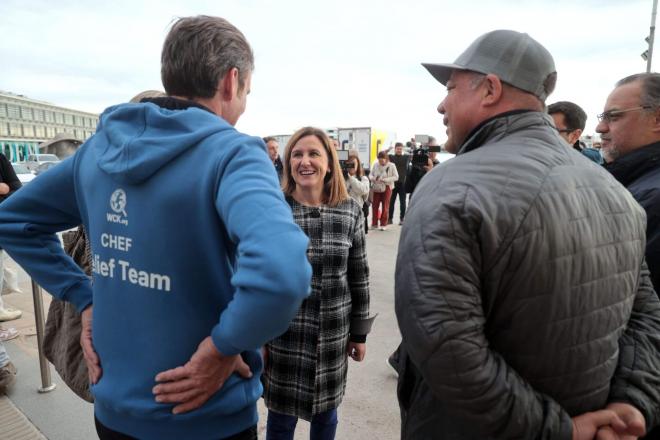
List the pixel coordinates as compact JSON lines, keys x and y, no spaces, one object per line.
{"x":525,"y":309}
{"x":570,"y":120}
{"x":630,"y":133}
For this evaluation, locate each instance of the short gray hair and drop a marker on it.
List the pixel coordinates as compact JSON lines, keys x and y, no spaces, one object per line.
{"x":198,"y":52}
{"x":650,"y":88}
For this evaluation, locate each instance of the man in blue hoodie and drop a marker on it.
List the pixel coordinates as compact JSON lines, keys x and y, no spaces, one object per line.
{"x":196,"y":259}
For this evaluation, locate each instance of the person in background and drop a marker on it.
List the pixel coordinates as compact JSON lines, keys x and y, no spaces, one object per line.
{"x":357,"y":185}
{"x":570,"y":121}
{"x":383,"y":175}
{"x":402,"y":162}
{"x":305,"y":373}
{"x":9,"y":184}
{"x":629,"y":129}
{"x":273,"y":152}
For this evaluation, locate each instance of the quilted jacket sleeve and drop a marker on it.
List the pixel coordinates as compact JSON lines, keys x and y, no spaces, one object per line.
{"x":439,"y":310}
{"x":637,"y":377}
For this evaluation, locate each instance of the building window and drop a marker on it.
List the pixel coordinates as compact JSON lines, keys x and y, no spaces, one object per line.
{"x":15,"y":130}
{"x":26,"y":113}
{"x":38,"y":114}
{"x":3,"y":110}
{"x":28,"y":130}
{"x":68,"y":119}
{"x":59,"y":118}
{"x":49,"y":116}
{"x":50,"y":132}
{"x":40,"y":131}
{"x":4,"y":130}
{"x":13,"y":112}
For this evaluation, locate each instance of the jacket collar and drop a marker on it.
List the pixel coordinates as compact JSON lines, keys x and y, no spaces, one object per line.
{"x":169,"y":103}
{"x":503,"y":124}
{"x":635,"y":164}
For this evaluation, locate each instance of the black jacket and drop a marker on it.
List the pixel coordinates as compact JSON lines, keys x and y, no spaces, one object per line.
{"x":639,"y":171}
{"x":8,"y":176}
{"x":520,"y":291}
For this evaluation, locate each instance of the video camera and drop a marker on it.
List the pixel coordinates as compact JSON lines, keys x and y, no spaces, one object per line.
{"x":344,"y":162}
{"x":420,"y":155}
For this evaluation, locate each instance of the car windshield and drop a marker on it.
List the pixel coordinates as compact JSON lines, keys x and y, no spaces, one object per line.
{"x":47,"y":157}
{"x":19,"y":168}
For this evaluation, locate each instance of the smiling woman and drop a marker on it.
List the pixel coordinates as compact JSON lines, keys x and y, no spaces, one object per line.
{"x":333,"y":323}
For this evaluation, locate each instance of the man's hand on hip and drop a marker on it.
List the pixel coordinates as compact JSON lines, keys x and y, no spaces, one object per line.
{"x":202,"y":376}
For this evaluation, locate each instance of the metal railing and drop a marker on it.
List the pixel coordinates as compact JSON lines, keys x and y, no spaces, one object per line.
{"x":47,"y":384}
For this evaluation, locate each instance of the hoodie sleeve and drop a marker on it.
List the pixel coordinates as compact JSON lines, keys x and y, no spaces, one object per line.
{"x":29,"y":220}
{"x":272,"y":274}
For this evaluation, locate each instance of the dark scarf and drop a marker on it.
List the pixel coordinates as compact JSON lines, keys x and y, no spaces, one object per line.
{"x":626,"y":169}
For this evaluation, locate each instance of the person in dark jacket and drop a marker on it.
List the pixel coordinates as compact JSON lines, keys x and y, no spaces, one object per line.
{"x":273,"y":152}
{"x":9,"y":184}
{"x":401,"y":161}
{"x":630,"y":134}
{"x":570,"y":121}
{"x":523,"y":300}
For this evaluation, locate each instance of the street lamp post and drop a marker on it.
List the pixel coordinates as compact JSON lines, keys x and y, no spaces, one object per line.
{"x":649,"y":57}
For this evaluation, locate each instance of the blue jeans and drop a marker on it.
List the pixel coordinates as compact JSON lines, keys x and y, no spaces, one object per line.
{"x":281,"y":426}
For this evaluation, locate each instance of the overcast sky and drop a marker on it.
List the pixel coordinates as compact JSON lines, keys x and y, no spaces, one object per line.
{"x":330,"y":64}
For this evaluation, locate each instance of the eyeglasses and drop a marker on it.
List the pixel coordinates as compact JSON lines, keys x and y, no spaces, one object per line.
{"x":565,"y":130}
{"x":613,"y":115}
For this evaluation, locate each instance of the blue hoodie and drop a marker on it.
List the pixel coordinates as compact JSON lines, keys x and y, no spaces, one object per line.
{"x":190,"y":237}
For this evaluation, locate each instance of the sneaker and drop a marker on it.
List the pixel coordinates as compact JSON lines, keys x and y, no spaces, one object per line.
{"x":383,"y":228}
{"x":9,"y":314}
{"x":7,"y":334}
{"x":7,"y":377}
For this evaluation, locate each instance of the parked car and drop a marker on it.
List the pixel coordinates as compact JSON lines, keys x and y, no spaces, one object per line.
{"x":44,"y":166}
{"x":34,"y":160}
{"x":22,"y":172}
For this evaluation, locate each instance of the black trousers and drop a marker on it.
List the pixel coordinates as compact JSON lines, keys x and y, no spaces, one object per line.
{"x":400,"y":192}
{"x":106,"y":433}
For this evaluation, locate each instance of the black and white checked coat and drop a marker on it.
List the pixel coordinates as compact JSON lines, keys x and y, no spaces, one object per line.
{"x":306,"y":368}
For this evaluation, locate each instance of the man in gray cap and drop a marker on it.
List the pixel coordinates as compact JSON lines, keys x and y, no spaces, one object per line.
{"x":522,"y":295}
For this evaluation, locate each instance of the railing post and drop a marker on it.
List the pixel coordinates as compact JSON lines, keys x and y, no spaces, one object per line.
{"x":46,"y":384}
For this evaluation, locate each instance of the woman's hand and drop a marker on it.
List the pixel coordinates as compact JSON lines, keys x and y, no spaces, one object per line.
{"x":357,"y":350}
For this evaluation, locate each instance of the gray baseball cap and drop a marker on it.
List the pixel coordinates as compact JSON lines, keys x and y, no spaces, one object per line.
{"x":516,"y":58}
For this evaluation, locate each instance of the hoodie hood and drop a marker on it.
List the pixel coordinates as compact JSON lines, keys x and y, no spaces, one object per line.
{"x":133,"y":141}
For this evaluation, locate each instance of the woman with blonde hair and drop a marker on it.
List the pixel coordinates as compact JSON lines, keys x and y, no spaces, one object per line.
{"x":305,"y":368}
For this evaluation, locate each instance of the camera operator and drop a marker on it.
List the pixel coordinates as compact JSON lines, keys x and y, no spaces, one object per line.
{"x":357,"y":184}
{"x":401,"y":161}
{"x":423,"y":159}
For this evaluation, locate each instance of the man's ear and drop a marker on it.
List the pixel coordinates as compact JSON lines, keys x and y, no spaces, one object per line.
{"x":492,"y":89}
{"x":228,"y":85}
{"x":574,"y":136}
{"x":656,"y":121}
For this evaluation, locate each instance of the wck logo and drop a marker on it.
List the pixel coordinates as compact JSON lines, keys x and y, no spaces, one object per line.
{"x":118,"y":201}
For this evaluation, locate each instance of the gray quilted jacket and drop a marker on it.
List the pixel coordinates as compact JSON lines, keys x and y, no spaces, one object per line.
{"x":521,"y":292}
